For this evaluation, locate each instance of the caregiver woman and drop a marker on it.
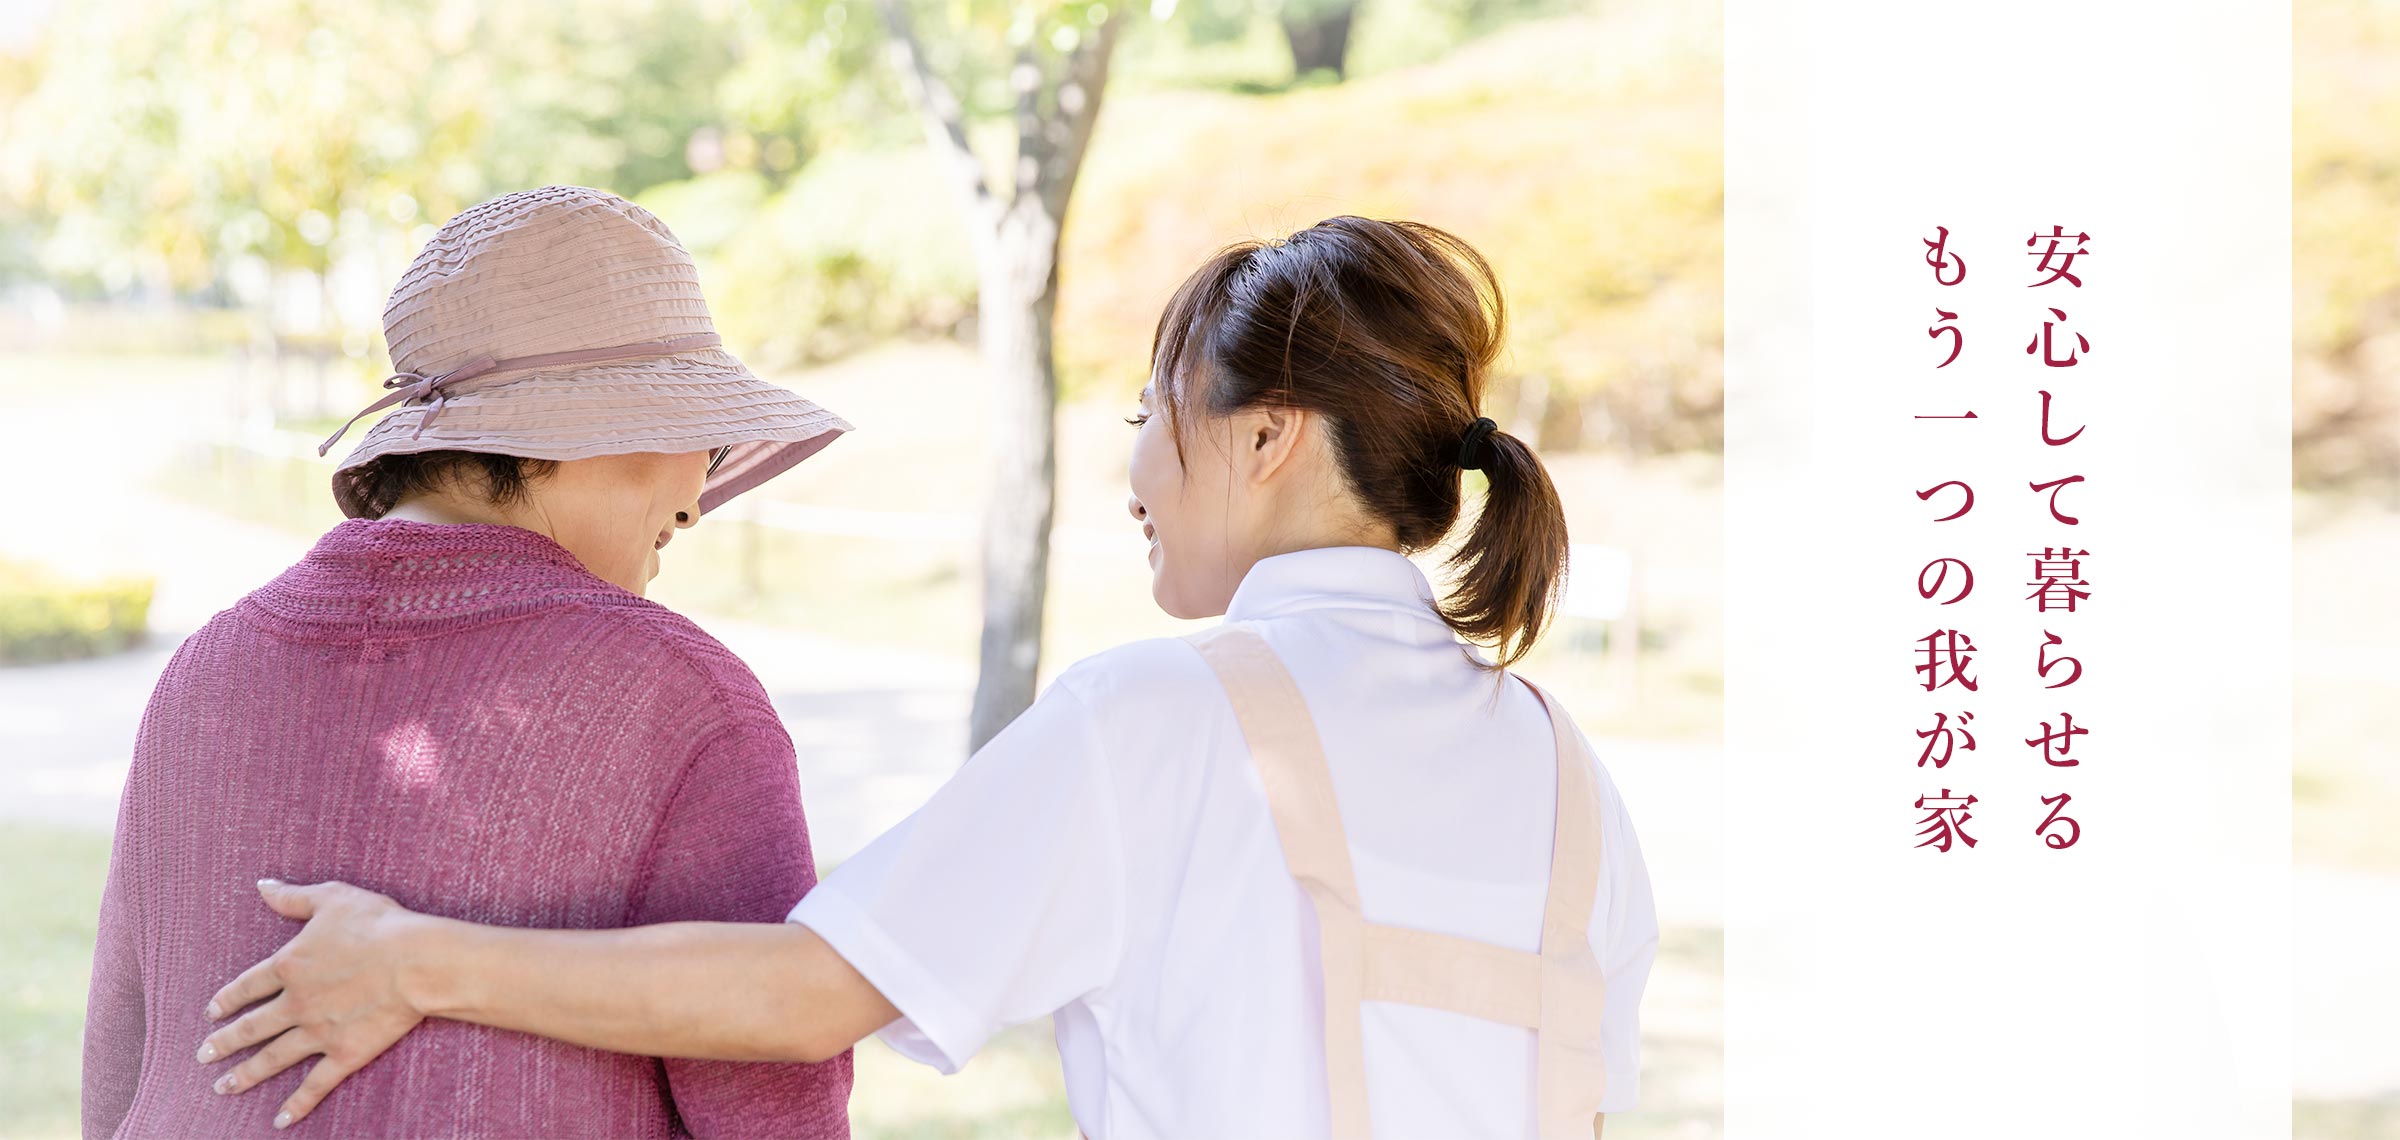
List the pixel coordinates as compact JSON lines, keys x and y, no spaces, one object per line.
{"x":1320,"y":870}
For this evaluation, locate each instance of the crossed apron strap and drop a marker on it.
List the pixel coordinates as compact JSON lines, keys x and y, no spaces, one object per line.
{"x":1558,"y":992}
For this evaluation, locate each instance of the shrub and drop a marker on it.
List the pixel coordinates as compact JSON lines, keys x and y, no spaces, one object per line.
{"x":47,"y":618}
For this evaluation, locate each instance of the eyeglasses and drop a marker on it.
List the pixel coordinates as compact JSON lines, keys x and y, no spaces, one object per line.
{"x":716,"y":458}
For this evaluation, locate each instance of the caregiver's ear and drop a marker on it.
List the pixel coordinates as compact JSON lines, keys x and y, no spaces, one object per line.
{"x":1266,"y":438}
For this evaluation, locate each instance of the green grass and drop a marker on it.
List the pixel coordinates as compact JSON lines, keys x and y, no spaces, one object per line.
{"x":50,"y":893}
{"x":2346,"y":1119}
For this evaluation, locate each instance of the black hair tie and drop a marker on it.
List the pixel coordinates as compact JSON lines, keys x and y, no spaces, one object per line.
{"x":1472,"y":454}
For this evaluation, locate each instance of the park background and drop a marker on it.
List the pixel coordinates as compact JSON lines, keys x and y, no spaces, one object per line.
{"x":202,"y":205}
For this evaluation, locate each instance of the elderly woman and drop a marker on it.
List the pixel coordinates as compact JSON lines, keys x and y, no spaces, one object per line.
{"x":461,"y":697}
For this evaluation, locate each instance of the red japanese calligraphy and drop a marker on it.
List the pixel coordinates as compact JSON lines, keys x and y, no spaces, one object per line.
{"x":2058,"y":805}
{"x":1947,"y":655}
{"x":1938,"y":256}
{"x":2045,"y":340}
{"x":2055,"y":260}
{"x":1949,"y":740}
{"x":1945,"y":820}
{"x":2057,"y":572}
{"x":2055,"y":744}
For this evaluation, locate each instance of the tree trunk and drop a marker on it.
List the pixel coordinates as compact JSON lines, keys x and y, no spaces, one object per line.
{"x":1017,"y":228}
{"x":1017,"y":297}
{"x":1320,"y":40}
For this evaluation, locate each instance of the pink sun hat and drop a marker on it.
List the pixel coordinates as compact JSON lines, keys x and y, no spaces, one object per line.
{"x":564,"y":323}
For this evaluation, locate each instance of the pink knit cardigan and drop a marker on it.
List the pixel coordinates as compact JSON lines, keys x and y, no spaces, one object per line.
{"x":465,"y":719}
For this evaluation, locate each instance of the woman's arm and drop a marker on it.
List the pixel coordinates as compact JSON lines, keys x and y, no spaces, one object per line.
{"x":364,"y":971}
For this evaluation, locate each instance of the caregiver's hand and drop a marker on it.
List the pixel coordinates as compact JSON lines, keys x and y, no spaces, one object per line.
{"x":336,"y":991}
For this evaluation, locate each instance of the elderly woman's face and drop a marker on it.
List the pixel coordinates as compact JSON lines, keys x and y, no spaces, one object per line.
{"x":617,"y":513}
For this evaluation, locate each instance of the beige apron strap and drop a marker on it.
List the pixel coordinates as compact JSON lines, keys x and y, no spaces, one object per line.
{"x":1444,"y":971}
{"x":1291,"y":765}
{"x":1559,"y":993}
{"x":1570,"y":1071}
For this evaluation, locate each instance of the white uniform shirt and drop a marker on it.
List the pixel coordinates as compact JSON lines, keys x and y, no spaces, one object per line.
{"x":1109,"y":858}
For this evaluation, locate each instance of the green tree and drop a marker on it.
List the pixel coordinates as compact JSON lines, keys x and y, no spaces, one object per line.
{"x":186,"y":134}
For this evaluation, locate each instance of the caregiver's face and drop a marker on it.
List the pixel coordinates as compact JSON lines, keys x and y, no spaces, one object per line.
{"x":1186,"y":505}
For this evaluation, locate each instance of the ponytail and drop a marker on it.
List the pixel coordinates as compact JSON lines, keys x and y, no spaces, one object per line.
{"x":1389,"y":329}
{"x":1514,"y":561}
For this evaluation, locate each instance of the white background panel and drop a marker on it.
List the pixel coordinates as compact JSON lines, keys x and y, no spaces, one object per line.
{"x":2136,"y":984}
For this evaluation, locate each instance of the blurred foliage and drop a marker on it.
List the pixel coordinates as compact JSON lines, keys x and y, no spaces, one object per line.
{"x":1611,"y":250}
{"x":864,"y":245}
{"x":155,"y":141}
{"x":47,"y":618}
{"x":1238,"y":44}
{"x":1582,"y":155}
{"x":154,"y":147}
{"x":2346,"y":243}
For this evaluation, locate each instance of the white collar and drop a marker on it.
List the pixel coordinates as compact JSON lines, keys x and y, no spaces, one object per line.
{"x":1338,"y":577}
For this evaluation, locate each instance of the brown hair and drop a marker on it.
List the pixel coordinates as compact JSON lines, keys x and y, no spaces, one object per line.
{"x":379,"y":484}
{"x":1388,"y":329}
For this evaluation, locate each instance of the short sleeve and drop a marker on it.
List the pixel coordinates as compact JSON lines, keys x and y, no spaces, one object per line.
{"x":1000,"y":901}
{"x":1625,"y":938}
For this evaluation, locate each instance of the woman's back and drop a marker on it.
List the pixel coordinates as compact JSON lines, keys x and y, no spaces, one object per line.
{"x":1167,"y":929}
{"x":463,"y":718}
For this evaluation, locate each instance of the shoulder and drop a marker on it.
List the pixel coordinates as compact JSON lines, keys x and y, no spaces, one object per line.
{"x":1624,"y":923}
{"x":227,"y":632}
{"x":684,"y":662}
{"x":661,"y":631}
{"x":1144,"y":700}
{"x":1155,"y":675}
{"x":224,"y":651}
{"x":1597,"y":753}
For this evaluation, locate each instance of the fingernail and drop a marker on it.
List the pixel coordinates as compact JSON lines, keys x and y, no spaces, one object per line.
{"x":283,"y":1120}
{"x":214,"y":1012}
{"x":208,"y":1053}
{"x":265,"y":883}
{"x":224,"y":1084}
